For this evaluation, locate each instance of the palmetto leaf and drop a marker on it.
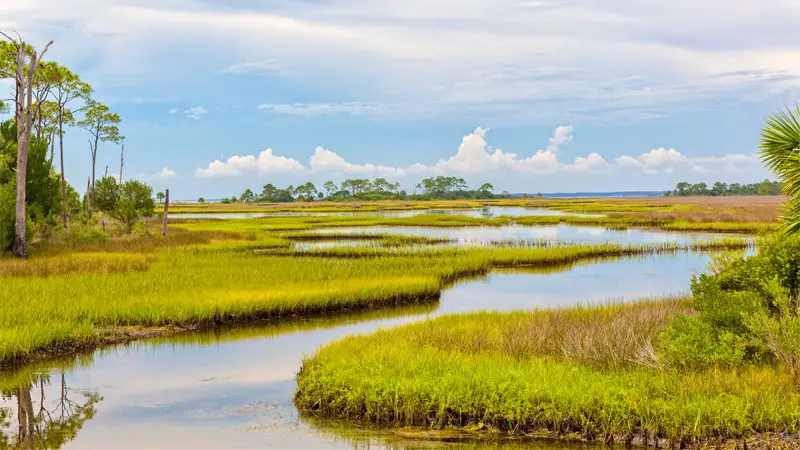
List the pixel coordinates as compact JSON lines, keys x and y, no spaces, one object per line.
{"x":780,"y":152}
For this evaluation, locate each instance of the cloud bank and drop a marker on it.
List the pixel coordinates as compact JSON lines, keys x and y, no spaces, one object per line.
{"x":476,"y":156}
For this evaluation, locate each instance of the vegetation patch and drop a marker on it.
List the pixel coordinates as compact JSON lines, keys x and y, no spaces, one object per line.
{"x":583,"y":372}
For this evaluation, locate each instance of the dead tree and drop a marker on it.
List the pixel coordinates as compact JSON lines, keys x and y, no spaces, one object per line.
{"x":166,"y":213}
{"x":121,"y":160}
{"x":24,"y":113}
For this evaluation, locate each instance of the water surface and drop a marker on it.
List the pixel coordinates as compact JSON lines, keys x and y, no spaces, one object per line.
{"x":232,"y":388}
{"x":561,"y":233}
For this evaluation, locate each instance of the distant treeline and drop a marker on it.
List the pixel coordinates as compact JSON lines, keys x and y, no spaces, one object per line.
{"x":766,"y":187}
{"x":445,"y":188}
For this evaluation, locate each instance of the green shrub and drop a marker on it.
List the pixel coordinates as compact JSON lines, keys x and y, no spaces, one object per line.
{"x":8,"y":201}
{"x":748,"y":310}
{"x":693,"y":342}
{"x":107,"y":193}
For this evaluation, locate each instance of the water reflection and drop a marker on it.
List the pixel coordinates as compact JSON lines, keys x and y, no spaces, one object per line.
{"x":39,"y":414}
{"x":561,"y":233}
{"x":232,"y":388}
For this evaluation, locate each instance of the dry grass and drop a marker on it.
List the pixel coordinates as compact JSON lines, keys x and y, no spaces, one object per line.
{"x":601,"y":336}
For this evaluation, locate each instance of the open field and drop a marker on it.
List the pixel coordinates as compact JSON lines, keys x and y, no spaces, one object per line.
{"x":583,"y":373}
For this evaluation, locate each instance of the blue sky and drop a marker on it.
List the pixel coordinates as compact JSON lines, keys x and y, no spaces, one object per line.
{"x":531,"y":95}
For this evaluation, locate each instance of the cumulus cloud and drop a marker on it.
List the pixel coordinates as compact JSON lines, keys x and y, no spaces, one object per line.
{"x":668,"y":160}
{"x":476,"y":156}
{"x":591,"y":163}
{"x":163,"y":174}
{"x":195,"y":112}
{"x":265,"y":163}
{"x":324,"y":160}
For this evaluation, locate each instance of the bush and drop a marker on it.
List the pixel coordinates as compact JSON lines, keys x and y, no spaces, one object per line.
{"x":748,"y":310}
{"x":8,"y":215}
{"x":135,"y":201}
{"x":8,"y":201}
{"x":106,"y":194}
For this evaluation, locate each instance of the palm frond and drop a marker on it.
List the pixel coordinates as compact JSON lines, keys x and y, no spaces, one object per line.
{"x":779,"y":150}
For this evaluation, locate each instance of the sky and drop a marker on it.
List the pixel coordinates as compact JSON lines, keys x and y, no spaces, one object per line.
{"x":529,"y":95}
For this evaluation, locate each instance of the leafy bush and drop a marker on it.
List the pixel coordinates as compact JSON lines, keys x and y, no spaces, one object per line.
{"x":8,"y":203}
{"x":135,"y":201}
{"x":748,"y":310}
{"x":8,"y":214}
{"x":107,"y":193}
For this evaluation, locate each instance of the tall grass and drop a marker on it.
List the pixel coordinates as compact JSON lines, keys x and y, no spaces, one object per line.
{"x":565,"y":373}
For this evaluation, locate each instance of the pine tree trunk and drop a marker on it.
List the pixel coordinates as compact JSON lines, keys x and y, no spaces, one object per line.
{"x":64,"y":215}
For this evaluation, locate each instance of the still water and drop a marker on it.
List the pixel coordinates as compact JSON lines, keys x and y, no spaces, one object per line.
{"x":555,"y":233}
{"x":491,"y":211}
{"x":232,"y":388}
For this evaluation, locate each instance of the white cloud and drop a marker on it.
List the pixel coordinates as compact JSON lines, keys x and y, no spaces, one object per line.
{"x":324,"y":160}
{"x":163,"y":174}
{"x":580,"y":59}
{"x":591,"y":163}
{"x":265,"y":163}
{"x":669,"y":160}
{"x":475,"y":156}
{"x":196,"y":112}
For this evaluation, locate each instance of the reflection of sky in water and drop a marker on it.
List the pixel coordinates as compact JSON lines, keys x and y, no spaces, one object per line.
{"x":493,"y":211}
{"x":237,"y":394}
{"x":565,"y":233}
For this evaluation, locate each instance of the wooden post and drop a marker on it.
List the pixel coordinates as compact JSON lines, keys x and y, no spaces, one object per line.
{"x":166,"y":212}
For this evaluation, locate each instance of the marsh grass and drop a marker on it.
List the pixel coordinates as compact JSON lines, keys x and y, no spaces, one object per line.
{"x":308,"y":223}
{"x":566,"y":373}
{"x":74,"y":263}
{"x":64,"y":300}
{"x":382,"y":238}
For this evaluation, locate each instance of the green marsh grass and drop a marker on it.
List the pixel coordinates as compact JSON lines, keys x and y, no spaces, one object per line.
{"x":584,"y":372}
{"x":228,"y":281}
{"x":308,"y":223}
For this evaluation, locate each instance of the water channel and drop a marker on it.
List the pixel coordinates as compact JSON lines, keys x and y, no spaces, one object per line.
{"x":232,"y":388}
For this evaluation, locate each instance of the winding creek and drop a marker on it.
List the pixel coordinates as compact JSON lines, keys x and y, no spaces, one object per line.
{"x":232,"y":388}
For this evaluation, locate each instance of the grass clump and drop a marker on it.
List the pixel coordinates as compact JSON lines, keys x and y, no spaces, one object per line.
{"x":569,"y":373}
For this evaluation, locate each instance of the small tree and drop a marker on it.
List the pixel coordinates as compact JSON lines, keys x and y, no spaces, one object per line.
{"x":330,"y":188}
{"x":101,"y":124}
{"x":201,"y":200}
{"x":135,"y":201}
{"x":68,"y":88}
{"x":160,"y":197}
{"x":108,"y":192}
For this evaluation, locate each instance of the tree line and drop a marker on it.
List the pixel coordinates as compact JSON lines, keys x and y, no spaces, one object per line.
{"x":766,"y":187}
{"x":441,"y":187}
{"x":48,"y":100}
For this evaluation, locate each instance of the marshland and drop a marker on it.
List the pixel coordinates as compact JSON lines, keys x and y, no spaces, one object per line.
{"x":374,"y":313}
